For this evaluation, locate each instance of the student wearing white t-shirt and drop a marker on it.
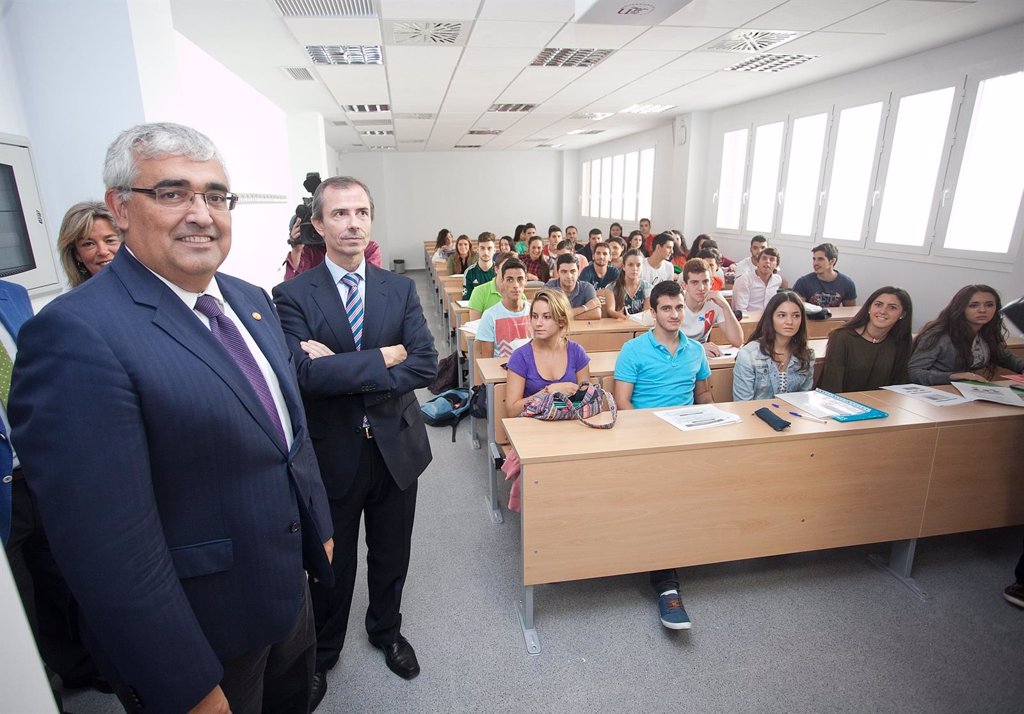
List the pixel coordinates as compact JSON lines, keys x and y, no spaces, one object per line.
{"x":659,"y":266}
{"x":752,"y":291}
{"x":705,"y":308}
{"x":505,"y":322}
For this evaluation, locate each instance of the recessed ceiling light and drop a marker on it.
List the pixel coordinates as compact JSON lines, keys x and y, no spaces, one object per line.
{"x":512,"y":107}
{"x":345,"y":54}
{"x":569,"y":57}
{"x":770,"y":62}
{"x":467,"y":146}
{"x":377,"y":132}
{"x":484,"y":132}
{"x":338,"y":122}
{"x":548,"y":146}
{"x":592,"y":116}
{"x":578,"y":132}
{"x":360,"y":108}
{"x":411,"y":141}
{"x":382,"y":148}
{"x":646,"y":108}
{"x":413,"y":115}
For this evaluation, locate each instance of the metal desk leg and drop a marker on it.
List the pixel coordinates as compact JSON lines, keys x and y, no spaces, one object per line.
{"x":472,"y":420}
{"x":899,"y":565}
{"x":524,"y":608}
{"x":493,"y":503}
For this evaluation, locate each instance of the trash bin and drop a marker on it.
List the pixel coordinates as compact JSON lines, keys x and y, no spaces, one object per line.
{"x":398,"y":266}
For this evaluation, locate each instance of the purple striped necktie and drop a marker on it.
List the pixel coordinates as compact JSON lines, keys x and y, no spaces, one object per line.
{"x":228,"y":335}
{"x":354,"y":308}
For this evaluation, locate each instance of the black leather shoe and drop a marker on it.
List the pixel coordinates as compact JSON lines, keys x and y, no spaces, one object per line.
{"x":400,"y":658}
{"x":316,"y":694}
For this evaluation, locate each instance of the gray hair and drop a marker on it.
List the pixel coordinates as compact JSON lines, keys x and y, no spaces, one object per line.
{"x":339,"y":182}
{"x":152,"y":141}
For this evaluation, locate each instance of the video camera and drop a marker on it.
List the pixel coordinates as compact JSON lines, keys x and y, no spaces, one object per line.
{"x":304,"y":212}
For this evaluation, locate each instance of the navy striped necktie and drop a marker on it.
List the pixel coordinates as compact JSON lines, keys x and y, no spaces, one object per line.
{"x":354,"y":308}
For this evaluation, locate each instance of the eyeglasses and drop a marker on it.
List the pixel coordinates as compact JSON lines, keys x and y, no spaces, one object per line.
{"x":174,"y":197}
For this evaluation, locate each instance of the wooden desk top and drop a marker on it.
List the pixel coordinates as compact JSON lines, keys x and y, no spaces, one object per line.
{"x":839,"y":314}
{"x":641,"y":432}
{"x":602,"y":364}
{"x":972,"y":412}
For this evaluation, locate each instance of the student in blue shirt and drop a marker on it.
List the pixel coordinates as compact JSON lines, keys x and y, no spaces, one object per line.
{"x":664,"y":368}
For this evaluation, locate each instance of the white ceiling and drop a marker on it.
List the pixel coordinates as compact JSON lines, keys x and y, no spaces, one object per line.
{"x":490,"y":62}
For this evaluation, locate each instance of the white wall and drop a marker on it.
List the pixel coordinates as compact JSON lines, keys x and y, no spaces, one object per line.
{"x":12,"y":119}
{"x":418,"y":194}
{"x":929,"y":283}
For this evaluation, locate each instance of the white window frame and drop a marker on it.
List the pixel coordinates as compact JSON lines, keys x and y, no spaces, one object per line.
{"x":793,"y":238}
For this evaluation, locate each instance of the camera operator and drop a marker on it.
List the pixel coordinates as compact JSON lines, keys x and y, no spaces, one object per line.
{"x":307,"y":245}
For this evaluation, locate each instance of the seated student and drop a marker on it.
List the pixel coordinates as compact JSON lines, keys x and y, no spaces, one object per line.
{"x":488,"y":294}
{"x":679,"y":252}
{"x":747,"y":265}
{"x":554,"y":238}
{"x":599,"y":273}
{"x":967,"y":341}
{"x":826,"y":286}
{"x":519,"y":239}
{"x":636,"y":242}
{"x":615,"y":231}
{"x":509,"y":320}
{"x":628,"y":294}
{"x":871,"y":350}
{"x":645,"y":231}
{"x":776,"y":358}
{"x":537,"y":267}
{"x":663,"y":368}
{"x":505,"y":244}
{"x":587,"y":251}
{"x":699,"y":243}
{"x":752,"y":291}
{"x":706,"y":308}
{"x":463,"y":256}
{"x":483,"y":271}
{"x":567,"y":247}
{"x":658,"y":266}
{"x":713,"y":257}
{"x":572,"y":233}
{"x":616,"y":247}
{"x":582,"y":296}
{"x":550,"y":362}
{"x":443,"y":245}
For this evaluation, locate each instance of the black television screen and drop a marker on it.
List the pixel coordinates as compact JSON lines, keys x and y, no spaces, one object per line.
{"x":15,"y":244}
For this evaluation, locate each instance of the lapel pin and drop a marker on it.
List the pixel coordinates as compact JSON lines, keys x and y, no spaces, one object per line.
{"x":256,"y":316}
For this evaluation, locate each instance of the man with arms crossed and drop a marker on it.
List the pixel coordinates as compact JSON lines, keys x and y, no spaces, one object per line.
{"x":663,"y":368}
{"x":509,"y":320}
{"x":582,"y":296}
{"x":706,"y":308}
{"x":361,"y":346}
{"x":752,"y":291}
{"x":184,"y":540}
{"x":826,"y":286}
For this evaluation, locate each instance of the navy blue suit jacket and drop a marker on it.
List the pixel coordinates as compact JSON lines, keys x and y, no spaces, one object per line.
{"x":339,"y":390}
{"x":178,"y":518}
{"x":15,"y":308}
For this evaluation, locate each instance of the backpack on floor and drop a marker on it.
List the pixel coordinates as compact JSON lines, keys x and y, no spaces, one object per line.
{"x":447,"y":409}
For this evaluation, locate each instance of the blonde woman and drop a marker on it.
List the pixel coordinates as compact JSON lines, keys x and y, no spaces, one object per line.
{"x":87,"y":241}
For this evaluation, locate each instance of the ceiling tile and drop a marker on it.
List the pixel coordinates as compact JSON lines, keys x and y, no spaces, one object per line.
{"x":493,"y":57}
{"x":679,"y":39}
{"x":554,"y":10}
{"x":715,"y":13}
{"x":355,"y":84}
{"x":596,"y":36}
{"x":435,"y":10}
{"x":535,"y":84}
{"x":707,"y":60}
{"x":513,"y":34}
{"x":894,"y":15}
{"x":809,"y":15}
{"x":319,"y":31}
{"x":825,"y":43}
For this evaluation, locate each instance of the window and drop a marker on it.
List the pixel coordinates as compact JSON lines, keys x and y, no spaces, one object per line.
{"x":851,"y":172}
{"x":917,"y":149}
{"x":730,"y":185}
{"x":618,"y":187}
{"x":986,"y":198}
{"x":764,"y":177}
{"x":803,"y":174}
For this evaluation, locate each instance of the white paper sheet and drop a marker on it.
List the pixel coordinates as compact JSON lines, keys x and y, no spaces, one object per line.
{"x":989,"y":393}
{"x":930,"y":395}
{"x":698,"y":416}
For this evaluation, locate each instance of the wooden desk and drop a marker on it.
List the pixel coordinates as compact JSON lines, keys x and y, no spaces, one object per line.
{"x":816,"y":329}
{"x":646,"y":496}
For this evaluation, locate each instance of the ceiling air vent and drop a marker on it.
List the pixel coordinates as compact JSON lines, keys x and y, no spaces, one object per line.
{"x":569,"y":57}
{"x":410,"y":141}
{"x":381,"y":123}
{"x":467,"y":146}
{"x":754,"y":40}
{"x":512,"y":107}
{"x":345,"y":54}
{"x":484,"y":132}
{"x":326,"y":8}
{"x":378,"y":132}
{"x":446,"y":34}
{"x":360,"y":108}
{"x":581,"y":132}
{"x":382,"y":148}
{"x":548,"y":146}
{"x":413,"y":115}
{"x":299,"y":74}
{"x":770,"y":63}
{"x":591,"y":116}
{"x":339,"y":123}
